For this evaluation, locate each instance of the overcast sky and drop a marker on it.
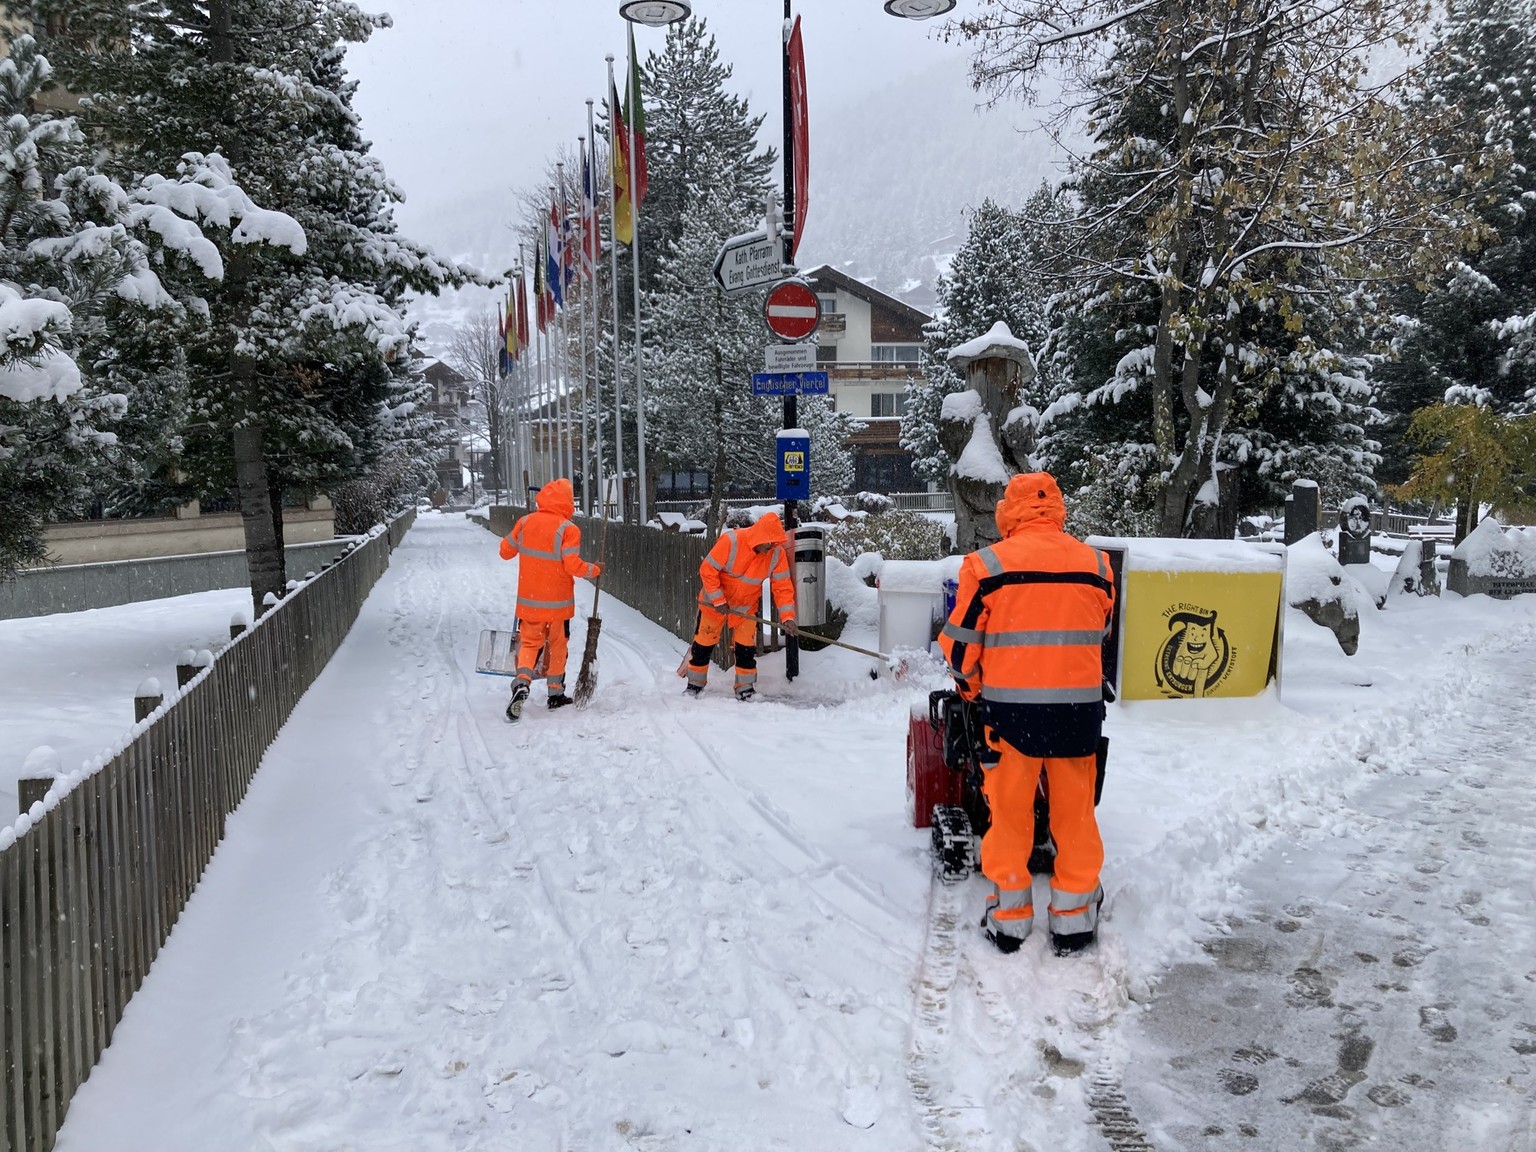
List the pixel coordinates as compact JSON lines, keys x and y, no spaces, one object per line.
{"x":464,"y":99}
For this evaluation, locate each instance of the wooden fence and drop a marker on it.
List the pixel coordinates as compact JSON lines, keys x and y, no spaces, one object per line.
{"x":97,"y":874}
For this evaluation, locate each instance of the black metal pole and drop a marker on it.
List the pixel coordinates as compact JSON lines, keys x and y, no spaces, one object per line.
{"x":791,"y":406}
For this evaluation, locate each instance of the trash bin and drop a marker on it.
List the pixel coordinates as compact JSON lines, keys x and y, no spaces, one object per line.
{"x":911,"y":600}
{"x":810,"y":572}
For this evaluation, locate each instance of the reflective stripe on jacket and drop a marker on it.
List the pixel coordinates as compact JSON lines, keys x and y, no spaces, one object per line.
{"x":549,"y":546}
{"x":732,"y":575}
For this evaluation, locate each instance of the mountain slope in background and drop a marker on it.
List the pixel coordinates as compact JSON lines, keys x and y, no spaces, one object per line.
{"x":894,"y":178}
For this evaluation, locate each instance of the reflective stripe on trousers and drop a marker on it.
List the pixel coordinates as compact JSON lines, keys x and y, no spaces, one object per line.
{"x":1073,"y":912}
{"x":1011,"y":912}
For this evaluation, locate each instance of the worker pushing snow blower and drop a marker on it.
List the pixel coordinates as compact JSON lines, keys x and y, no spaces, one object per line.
{"x":549,"y":546}
{"x":1025,"y":646}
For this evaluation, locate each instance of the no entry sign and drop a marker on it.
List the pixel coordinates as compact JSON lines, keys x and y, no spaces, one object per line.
{"x":792,"y":310}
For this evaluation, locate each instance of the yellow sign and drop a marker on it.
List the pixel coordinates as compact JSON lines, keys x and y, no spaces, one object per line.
{"x":794,"y":461}
{"x":1193,"y":634}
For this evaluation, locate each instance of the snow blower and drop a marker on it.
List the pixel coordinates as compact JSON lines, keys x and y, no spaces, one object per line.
{"x":947,"y":755}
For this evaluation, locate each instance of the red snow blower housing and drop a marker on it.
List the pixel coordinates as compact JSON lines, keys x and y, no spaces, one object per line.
{"x":947,"y":753}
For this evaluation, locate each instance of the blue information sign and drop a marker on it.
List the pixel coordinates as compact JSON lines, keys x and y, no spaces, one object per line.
{"x":794,"y":467}
{"x":790,"y":384}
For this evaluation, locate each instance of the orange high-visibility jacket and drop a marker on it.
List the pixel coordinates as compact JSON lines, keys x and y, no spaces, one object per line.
{"x":550,"y":547}
{"x":733,"y":573}
{"x":1030,"y":618}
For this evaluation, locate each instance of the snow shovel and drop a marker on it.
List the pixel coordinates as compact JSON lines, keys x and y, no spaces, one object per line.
{"x":893,"y":664}
{"x":498,"y":653}
{"x":586,"y":682}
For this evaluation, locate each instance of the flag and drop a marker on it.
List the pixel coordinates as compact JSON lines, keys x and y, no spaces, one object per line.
{"x":512,"y":340}
{"x":618,"y":170}
{"x":554,"y":261}
{"x":522,"y":312}
{"x":540,"y":315}
{"x":590,"y":234}
{"x":634,"y":116}
{"x":503,"y":360}
{"x":800,"y":137}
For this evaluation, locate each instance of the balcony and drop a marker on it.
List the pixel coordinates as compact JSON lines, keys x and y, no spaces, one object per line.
{"x":897,"y":370}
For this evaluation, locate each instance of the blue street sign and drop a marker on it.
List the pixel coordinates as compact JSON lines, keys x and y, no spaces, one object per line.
{"x":790,"y":384}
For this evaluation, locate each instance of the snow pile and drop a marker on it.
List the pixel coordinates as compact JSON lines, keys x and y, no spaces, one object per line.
{"x":919,"y":575}
{"x":995,"y":341}
{"x":1312,"y":574}
{"x":866,"y":566}
{"x":1162,"y":554}
{"x":982,"y":459}
{"x":1490,"y":551}
{"x":847,"y":592}
{"x":962,"y":406}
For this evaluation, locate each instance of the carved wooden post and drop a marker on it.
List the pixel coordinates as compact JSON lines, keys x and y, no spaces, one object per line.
{"x":988,"y":430}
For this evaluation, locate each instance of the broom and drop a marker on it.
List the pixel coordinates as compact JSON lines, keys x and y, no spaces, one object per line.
{"x":586,"y":682}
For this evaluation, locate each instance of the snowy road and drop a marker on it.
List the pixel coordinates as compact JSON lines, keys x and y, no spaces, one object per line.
{"x":1380,"y":990}
{"x":674,"y":924}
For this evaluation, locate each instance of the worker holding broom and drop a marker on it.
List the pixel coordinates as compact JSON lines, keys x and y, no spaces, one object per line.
{"x":549,"y":547}
{"x":732,"y":576}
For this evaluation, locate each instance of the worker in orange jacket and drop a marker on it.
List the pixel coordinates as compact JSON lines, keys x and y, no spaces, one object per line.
{"x":732,"y":576}
{"x":1025,"y":639}
{"x":549,"y":547}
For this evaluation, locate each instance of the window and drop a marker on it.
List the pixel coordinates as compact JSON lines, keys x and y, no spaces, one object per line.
{"x":828,"y":301}
{"x":888,"y":404}
{"x":681,"y":485}
{"x":895,"y":353}
{"x":884,"y":472}
{"x":826,"y":353}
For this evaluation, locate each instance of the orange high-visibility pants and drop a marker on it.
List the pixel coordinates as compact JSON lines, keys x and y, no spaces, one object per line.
{"x":1010,"y":787}
{"x":536,"y":634}
{"x":743,"y":635}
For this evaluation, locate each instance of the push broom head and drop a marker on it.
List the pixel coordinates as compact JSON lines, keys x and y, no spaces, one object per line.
{"x":586,"y":682}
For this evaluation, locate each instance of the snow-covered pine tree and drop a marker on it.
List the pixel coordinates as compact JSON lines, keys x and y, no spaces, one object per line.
{"x":289,"y":363}
{"x":85,"y":265}
{"x":1469,"y":338}
{"x":1001,"y":273}
{"x":1222,"y":293}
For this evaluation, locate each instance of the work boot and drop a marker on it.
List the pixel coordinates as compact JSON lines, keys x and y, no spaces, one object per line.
{"x":515,"y":706}
{"x":1071,"y":943}
{"x":693,"y":691}
{"x":746,"y":694}
{"x":559,"y":700}
{"x":1004,"y":943}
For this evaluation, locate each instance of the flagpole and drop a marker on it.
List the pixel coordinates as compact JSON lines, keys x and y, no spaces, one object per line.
{"x":634,"y":253}
{"x":579,"y":235}
{"x":557,"y":322}
{"x":591,"y":251}
{"x":613,"y":280}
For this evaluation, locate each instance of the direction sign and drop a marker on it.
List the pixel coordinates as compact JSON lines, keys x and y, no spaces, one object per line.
{"x":790,"y":358}
{"x":748,"y":261}
{"x":792,"y":310}
{"x":790,"y":384}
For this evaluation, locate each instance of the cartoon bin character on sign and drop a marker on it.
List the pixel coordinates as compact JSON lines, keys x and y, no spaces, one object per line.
{"x":1195,"y":656}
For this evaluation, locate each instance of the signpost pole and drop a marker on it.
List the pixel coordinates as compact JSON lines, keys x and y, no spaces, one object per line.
{"x":791,"y":406}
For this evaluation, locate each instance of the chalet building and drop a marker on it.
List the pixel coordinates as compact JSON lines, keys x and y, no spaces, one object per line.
{"x":870,"y":343}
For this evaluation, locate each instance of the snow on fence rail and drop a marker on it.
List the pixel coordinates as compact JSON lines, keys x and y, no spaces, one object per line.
{"x":93,"y":877}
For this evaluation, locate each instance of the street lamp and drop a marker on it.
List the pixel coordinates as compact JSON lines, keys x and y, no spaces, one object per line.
{"x":919,"y":9}
{"x":655,"y":13}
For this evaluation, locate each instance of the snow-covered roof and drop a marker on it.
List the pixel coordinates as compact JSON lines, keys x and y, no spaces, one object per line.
{"x":829,"y":275}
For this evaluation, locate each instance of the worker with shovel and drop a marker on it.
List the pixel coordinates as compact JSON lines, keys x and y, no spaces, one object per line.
{"x":732,"y":576}
{"x":549,"y":546}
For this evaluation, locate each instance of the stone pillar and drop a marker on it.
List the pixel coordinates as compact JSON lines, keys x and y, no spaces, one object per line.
{"x":987,"y":430}
{"x":1303,"y":510}
{"x":1355,"y":531}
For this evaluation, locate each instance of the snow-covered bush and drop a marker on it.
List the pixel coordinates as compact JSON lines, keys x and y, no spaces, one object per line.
{"x":894,"y":535}
{"x":362,"y":503}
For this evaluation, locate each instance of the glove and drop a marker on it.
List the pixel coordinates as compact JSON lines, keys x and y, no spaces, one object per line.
{"x":507,"y":549}
{"x":790,"y":627}
{"x":597,"y":570}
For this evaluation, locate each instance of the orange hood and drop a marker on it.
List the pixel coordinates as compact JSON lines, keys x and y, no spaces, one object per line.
{"x":768,"y":530}
{"x":558,"y":498}
{"x":1032,"y":500}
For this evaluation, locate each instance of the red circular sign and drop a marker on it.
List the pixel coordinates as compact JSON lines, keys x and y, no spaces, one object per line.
{"x":792,"y":310}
